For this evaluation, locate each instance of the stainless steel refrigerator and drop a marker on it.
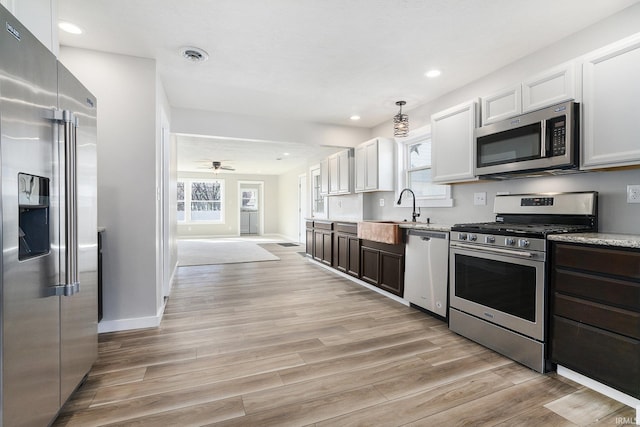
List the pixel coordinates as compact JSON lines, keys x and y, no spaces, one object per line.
{"x":48,"y":212}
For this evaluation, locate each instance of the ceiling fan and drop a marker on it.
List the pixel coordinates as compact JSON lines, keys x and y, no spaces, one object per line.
{"x":217,"y":167}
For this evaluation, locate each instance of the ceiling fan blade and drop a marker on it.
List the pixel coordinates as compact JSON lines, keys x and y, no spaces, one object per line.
{"x":227,"y":168}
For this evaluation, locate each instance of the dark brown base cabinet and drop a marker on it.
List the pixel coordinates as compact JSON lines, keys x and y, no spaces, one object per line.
{"x":323,"y":241}
{"x":595,"y":306}
{"x":309,"y":239}
{"x":346,"y":249}
{"x":337,"y":244}
{"x":382,"y":265}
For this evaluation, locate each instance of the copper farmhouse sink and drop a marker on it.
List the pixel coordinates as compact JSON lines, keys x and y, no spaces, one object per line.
{"x":380,"y":231}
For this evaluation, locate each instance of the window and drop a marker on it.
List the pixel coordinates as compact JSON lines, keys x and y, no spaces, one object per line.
{"x":250,"y":199}
{"x":181,"y":216}
{"x":415,"y":172}
{"x":201,"y":200}
{"x":318,"y":205}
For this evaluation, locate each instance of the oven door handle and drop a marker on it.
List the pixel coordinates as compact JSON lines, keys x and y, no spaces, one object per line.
{"x":521,"y":254}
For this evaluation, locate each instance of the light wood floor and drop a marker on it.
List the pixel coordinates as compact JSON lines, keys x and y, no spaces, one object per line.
{"x":289,"y":343}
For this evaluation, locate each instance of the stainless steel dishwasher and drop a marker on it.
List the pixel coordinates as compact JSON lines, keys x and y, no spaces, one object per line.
{"x":426,"y":270}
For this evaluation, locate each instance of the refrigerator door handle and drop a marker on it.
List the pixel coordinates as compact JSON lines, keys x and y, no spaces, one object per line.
{"x":71,"y":283}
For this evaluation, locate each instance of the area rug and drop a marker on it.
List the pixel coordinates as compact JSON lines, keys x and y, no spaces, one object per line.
{"x":204,"y":252}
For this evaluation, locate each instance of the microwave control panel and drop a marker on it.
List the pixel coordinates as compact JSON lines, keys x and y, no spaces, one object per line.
{"x":558,"y":130}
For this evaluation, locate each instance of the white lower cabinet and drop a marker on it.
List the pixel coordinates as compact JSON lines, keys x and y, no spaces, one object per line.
{"x":453,"y":151}
{"x":611,"y":90}
{"x":248,"y":222}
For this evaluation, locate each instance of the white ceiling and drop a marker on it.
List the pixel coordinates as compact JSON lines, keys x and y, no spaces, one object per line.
{"x":323,"y":60}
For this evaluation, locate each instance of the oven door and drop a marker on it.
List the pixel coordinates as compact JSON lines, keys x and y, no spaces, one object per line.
{"x":504,"y":287}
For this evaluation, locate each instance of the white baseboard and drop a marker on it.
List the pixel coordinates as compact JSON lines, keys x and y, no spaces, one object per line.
{"x":361,"y":283}
{"x":134,"y":323}
{"x":602,"y":389}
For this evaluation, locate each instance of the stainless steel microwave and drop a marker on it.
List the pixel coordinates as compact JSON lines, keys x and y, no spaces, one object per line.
{"x":542,"y":140}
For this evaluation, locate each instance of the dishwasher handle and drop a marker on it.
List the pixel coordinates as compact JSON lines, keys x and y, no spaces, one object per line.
{"x":428,"y":235}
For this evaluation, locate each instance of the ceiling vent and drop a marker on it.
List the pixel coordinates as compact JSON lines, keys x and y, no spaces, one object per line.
{"x":194,"y":54}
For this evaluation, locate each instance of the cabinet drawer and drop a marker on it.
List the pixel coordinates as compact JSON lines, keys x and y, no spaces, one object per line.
{"x":624,"y":263}
{"x":309,"y":224}
{"x":617,"y":320}
{"x":323,"y":225}
{"x":604,"y":356}
{"x":346,"y":227}
{"x":606,"y":290}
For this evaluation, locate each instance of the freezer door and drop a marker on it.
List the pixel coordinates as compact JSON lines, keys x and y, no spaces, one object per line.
{"x":30,"y":331}
{"x":79,"y":312}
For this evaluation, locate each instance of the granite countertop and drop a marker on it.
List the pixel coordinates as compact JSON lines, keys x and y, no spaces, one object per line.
{"x":414,"y":225}
{"x":402,"y":224}
{"x":601,"y":239}
{"x":425,"y":226}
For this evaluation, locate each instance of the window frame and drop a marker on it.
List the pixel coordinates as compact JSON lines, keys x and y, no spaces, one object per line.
{"x":402,"y":144}
{"x":187,"y":200}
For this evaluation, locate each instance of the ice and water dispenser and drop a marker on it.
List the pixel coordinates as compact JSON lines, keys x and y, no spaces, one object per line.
{"x":33,"y":201}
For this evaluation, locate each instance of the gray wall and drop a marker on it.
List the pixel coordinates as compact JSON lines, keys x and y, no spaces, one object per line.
{"x":615,"y":214}
{"x":127,"y":181}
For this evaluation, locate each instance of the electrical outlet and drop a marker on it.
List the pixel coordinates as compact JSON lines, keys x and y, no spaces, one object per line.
{"x":633,"y":193}
{"x":381,"y":202}
{"x":480,"y":199}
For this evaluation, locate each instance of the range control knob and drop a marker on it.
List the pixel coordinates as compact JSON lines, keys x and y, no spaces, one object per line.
{"x":509,"y":241}
{"x":462,"y":236}
{"x":523,"y":243}
{"x":489,"y":239}
{"x":472,"y":238}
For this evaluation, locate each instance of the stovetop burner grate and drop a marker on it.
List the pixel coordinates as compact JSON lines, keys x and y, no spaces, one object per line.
{"x":516,"y":228}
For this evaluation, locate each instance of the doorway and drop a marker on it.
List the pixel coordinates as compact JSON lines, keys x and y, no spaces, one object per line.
{"x":251,"y":207}
{"x":303,"y":204}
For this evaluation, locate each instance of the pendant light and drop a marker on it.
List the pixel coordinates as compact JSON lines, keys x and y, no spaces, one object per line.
{"x":400,"y":122}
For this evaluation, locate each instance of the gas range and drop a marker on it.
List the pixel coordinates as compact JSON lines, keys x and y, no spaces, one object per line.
{"x":498,"y":271}
{"x":532,"y":216}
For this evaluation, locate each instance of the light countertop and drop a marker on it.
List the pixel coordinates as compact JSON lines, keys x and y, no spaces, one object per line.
{"x":402,"y":224}
{"x":425,"y":226}
{"x":601,"y":239}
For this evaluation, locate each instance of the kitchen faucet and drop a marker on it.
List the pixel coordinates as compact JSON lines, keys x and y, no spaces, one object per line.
{"x":414,"y":215}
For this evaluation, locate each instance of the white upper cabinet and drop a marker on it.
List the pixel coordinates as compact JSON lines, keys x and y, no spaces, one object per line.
{"x":502,"y":105}
{"x":336,"y":173}
{"x":340,"y":172}
{"x":550,"y":87}
{"x":611,"y":90}
{"x":324,"y":177}
{"x":374,"y":161}
{"x":453,"y":151}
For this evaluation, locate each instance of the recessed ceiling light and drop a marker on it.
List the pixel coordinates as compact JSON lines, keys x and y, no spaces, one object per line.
{"x":433,"y":73}
{"x":286,"y":154}
{"x":194,"y":54}
{"x":69,"y":27}
{"x":355,"y":117}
